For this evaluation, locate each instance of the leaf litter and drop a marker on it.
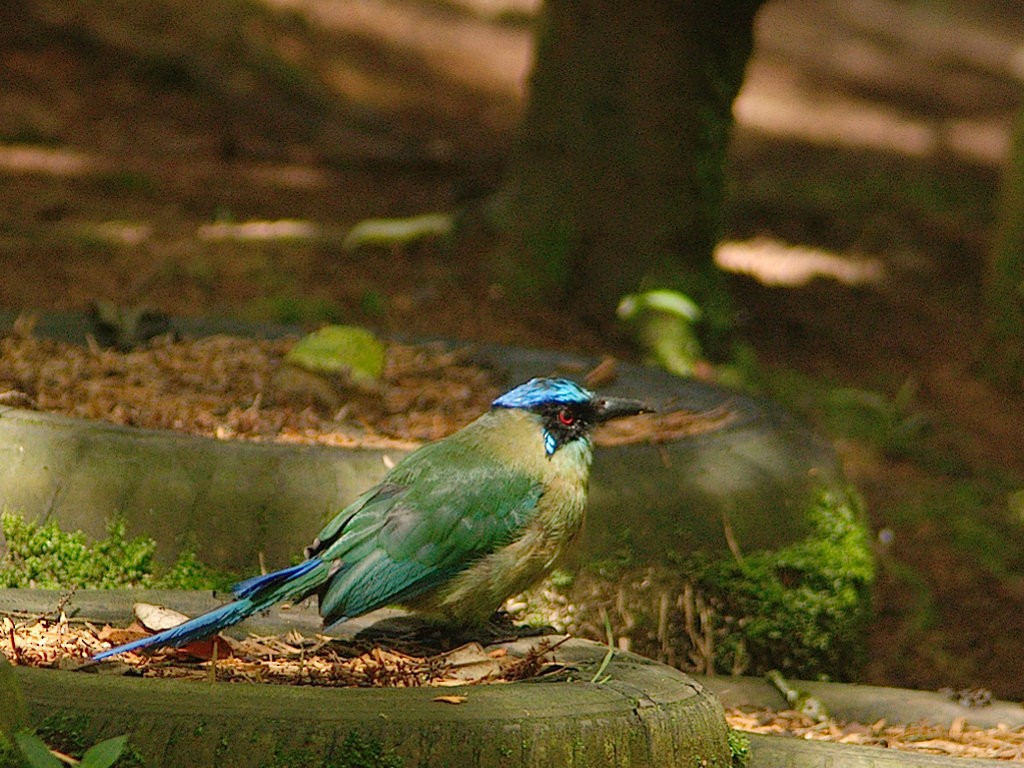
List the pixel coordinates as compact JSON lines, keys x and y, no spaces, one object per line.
{"x":291,"y":659}
{"x":224,"y":387}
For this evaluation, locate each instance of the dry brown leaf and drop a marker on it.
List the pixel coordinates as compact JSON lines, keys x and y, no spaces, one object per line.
{"x":119,"y":636}
{"x":450,"y":699}
{"x":208,"y":648}
{"x":157,"y":618}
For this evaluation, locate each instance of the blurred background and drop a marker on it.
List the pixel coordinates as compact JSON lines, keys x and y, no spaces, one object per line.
{"x":213,"y":159}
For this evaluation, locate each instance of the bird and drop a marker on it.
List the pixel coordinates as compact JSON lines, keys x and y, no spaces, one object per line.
{"x":453,"y":529}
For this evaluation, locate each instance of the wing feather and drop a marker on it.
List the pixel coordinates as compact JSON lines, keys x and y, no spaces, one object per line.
{"x":432,"y":516}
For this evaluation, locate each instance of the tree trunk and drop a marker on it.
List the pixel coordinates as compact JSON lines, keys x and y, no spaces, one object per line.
{"x":616,"y":179}
{"x":1004,"y":278}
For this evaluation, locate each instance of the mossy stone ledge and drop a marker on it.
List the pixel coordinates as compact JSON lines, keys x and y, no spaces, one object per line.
{"x":639,"y":715}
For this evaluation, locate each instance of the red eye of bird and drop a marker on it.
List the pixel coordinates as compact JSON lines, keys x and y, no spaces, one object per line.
{"x":566,"y":418}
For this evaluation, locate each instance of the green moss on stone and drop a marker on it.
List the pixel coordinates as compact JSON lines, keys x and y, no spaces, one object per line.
{"x":358,"y":751}
{"x":10,"y":756}
{"x":355,"y":751}
{"x":803,"y":608}
{"x":739,"y":748}
{"x":42,"y":555}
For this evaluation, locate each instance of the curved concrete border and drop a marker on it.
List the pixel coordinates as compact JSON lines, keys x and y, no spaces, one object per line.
{"x":642,"y":714}
{"x":638,"y":696}
{"x":865,"y":704}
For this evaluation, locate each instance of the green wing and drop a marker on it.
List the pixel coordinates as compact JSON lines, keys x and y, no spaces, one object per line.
{"x":431,"y":517}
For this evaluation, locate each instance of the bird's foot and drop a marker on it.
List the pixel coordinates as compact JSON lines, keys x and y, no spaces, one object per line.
{"x":502,"y":629}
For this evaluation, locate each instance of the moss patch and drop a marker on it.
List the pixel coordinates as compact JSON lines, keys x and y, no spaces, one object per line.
{"x":803,"y":609}
{"x":739,"y":748}
{"x":42,"y":555}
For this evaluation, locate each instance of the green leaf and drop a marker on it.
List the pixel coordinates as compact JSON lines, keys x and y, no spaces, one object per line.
{"x":13,"y":716}
{"x":392,"y":233}
{"x":345,"y":350}
{"x":35,"y":751}
{"x":104,"y":754}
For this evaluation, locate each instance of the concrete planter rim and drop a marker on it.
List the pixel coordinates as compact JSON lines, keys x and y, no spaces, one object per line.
{"x":642,"y":712}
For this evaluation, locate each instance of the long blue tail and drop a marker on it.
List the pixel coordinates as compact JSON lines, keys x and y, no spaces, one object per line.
{"x":252,"y":596}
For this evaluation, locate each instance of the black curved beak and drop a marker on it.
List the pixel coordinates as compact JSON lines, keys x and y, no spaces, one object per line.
{"x":608,"y":408}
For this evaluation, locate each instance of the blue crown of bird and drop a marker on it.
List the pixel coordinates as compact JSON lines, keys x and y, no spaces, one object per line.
{"x":453,"y":529}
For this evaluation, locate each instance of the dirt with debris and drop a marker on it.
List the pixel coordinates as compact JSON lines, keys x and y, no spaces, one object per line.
{"x":225,"y":387}
{"x":289,"y":660}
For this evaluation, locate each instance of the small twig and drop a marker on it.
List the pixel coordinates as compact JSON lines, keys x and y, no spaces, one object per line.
{"x":730,"y":539}
{"x":92,"y":345}
{"x":12,"y":638}
{"x":212,"y":674}
{"x":709,"y":638}
{"x":15,"y":398}
{"x":666,"y":647}
{"x":699,"y":630}
{"x":601,"y":374}
{"x":257,"y":401}
{"x":31,"y":619}
{"x":531,"y":664}
{"x":609,"y":635}
{"x":68,"y":759}
{"x":65,"y":598}
{"x":563,"y":641}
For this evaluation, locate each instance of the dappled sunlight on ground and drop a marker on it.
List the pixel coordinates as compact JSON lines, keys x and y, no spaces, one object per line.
{"x":772,"y":262}
{"x":281,"y":229}
{"x":770,"y":108}
{"x":466,"y":49}
{"x":20,"y":158}
{"x":919,"y":80}
{"x":839,"y":122}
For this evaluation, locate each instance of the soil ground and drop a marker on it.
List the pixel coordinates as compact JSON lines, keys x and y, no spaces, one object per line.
{"x":872,"y":129}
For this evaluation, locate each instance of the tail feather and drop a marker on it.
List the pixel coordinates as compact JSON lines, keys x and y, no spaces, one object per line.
{"x":252,"y":596}
{"x":193,"y":629}
{"x":256,"y":584}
